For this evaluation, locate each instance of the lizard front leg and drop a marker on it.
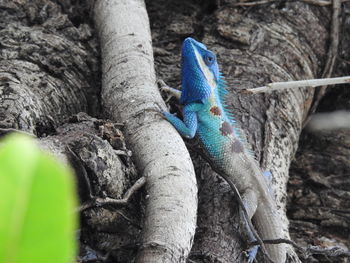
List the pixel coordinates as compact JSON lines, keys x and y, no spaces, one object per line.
{"x":188,"y":127}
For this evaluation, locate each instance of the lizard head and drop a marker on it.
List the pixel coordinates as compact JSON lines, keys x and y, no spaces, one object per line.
{"x":200,"y":71}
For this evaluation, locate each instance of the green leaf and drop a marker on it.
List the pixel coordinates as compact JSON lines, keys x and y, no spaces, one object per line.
{"x":37,"y":202}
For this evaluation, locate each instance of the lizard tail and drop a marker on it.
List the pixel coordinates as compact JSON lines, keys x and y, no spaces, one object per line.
{"x":266,"y":221}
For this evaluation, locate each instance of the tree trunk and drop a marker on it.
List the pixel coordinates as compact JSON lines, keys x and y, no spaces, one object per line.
{"x":129,"y":94}
{"x":50,"y":71}
{"x":48,"y":66}
{"x":255,"y":46}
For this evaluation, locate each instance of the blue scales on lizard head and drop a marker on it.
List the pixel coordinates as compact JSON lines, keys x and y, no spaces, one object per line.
{"x":206,"y":116}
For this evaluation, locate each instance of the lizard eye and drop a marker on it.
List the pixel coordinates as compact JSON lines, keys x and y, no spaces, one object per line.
{"x":209,"y":59}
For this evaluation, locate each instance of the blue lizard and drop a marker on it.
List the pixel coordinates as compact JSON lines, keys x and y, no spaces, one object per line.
{"x":205,"y":115}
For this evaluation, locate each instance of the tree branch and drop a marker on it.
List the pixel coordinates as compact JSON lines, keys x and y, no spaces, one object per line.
{"x":130,"y":95}
{"x":98,"y":201}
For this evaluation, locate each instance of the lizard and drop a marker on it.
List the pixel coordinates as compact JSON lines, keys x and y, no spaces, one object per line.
{"x":206,"y":116}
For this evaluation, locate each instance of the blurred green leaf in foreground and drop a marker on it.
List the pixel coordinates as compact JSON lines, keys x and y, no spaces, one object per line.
{"x":37,"y":202}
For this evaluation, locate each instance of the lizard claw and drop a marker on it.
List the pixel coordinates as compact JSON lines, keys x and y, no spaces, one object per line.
{"x":251,"y":253}
{"x":164,"y":88}
{"x":161,"y":85}
{"x":171,"y":92}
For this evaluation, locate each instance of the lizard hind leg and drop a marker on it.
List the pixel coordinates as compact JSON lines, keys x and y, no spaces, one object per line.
{"x":251,"y":253}
{"x":268,"y":179}
{"x":249,"y":200}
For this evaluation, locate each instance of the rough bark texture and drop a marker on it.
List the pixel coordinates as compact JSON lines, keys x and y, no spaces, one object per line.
{"x":130,"y":95}
{"x":246,"y":52}
{"x":50,"y":70}
{"x":255,"y":46}
{"x":47,"y":66}
{"x":96,"y":150}
{"x":319,"y":186}
{"x":319,"y":197}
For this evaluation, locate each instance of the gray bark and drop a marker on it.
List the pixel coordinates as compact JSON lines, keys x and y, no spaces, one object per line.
{"x":130,"y":95}
{"x":262,"y":45}
{"x":45,"y":70}
{"x":318,"y":190}
{"x":96,"y":150}
{"x":50,"y":70}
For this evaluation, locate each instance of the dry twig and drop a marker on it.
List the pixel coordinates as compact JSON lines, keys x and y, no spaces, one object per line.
{"x":99,"y":201}
{"x":253,"y":3}
{"x":318,"y":2}
{"x":328,"y":69}
{"x":298,"y":84}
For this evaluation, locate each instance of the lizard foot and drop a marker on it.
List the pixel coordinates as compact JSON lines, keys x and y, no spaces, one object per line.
{"x":171,"y":92}
{"x":251,"y":253}
{"x":268,"y":178}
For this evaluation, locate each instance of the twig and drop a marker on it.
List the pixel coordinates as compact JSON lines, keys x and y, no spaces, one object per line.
{"x":254,"y":3}
{"x":318,"y":2}
{"x":77,"y":163}
{"x":328,"y":69}
{"x":310,"y":250}
{"x":99,"y":201}
{"x":298,"y":84}
{"x":131,"y":222}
